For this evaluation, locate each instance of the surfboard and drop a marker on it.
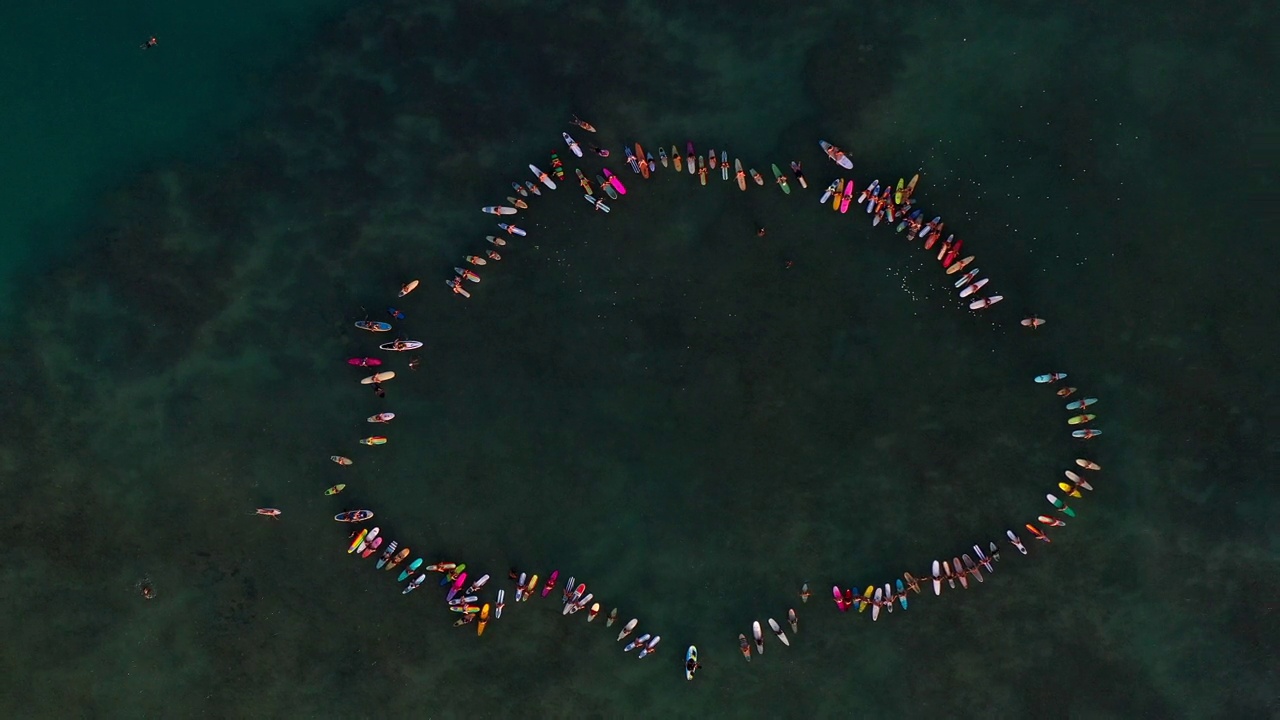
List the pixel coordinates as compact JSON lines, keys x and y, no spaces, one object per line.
{"x":974,"y":287}
{"x":742,"y":177}
{"x":386,"y":554}
{"x":690,"y":662}
{"x":359,"y":539}
{"x":373,"y":326}
{"x":958,"y":266}
{"x":846,"y":197}
{"x":378,"y":377}
{"x":335,"y":489}
{"x":781,"y":179}
{"x":1081,"y":419}
{"x":595,"y":203}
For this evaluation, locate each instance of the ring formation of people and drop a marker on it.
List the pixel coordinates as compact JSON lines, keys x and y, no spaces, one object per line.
{"x":476,"y":601}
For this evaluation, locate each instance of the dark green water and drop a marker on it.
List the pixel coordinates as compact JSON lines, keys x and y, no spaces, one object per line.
{"x":646,"y":400}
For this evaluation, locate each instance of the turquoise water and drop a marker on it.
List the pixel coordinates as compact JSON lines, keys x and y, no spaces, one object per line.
{"x":651,"y":400}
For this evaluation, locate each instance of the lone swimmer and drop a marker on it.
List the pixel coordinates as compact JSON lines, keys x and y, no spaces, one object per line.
{"x":150,"y":43}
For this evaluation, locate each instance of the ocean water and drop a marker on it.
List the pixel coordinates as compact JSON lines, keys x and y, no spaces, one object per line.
{"x":651,"y":400}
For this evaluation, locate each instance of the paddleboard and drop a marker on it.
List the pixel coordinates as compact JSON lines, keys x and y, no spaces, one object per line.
{"x":836,"y":154}
{"x":408,"y":288}
{"x":378,"y":377}
{"x":373,"y":326}
{"x":403,"y":346}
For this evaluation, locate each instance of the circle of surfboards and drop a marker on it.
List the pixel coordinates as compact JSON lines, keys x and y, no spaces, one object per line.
{"x":888,"y":203}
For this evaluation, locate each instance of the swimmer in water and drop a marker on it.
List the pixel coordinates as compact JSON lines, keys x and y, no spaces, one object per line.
{"x":377,"y":390}
{"x":150,"y":43}
{"x":414,"y":362}
{"x":599,"y":151}
{"x":759,"y":230}
{"x":147,"y":589}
